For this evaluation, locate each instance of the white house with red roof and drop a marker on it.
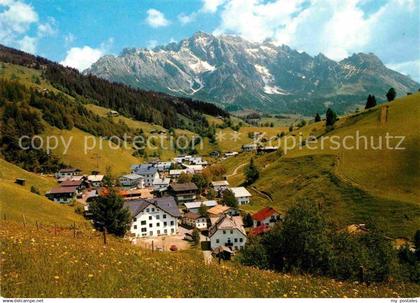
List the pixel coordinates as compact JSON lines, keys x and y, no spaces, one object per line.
{"x":267,"y":216}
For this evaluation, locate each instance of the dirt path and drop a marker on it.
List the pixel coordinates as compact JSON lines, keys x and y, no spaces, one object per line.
{"x":235,"y":171}
{"x":262,"y":193}
{"x":207,"y":257}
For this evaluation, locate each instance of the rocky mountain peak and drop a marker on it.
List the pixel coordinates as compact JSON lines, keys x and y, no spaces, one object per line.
{"x":233,"y":72}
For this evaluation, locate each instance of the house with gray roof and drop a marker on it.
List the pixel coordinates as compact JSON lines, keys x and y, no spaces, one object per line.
{"x":154,"y":217}
{"x":148,"y":171}
{"x":228,"y":231}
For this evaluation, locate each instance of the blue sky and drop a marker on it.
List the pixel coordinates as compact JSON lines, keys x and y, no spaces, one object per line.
{"x":78,"y":32}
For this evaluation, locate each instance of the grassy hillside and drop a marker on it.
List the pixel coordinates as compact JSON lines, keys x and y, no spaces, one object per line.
{"x":9,"y":173}
{"x":386,"y":173}
{"x":98,"y":158}
{"x":353,"y":185}
{"x":41,"y":264}
{"x":17,"y":201}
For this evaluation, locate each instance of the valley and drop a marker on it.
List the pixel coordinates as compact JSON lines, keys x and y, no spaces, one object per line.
{"x":348,"y":186}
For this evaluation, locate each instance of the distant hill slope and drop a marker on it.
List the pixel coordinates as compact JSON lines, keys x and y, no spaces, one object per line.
{"x":236,"y":73}
{"x":352,"y":185}
{"x":142,"y":105}
{"x":17,"y":201}
{"x":83,"y":267}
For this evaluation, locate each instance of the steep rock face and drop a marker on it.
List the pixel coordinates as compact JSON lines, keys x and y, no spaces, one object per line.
{"x":236,"y":73}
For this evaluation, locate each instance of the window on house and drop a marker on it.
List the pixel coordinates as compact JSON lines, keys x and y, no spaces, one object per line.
{"x":217,"y":241}
{"x":231,"y":232}
{"x":236,"y":239}
{"x":157,"y":224}
{"x":153,"y":209}
{"x":158,"y":217}
{"x":134,"y":219}
{"x":224,"y":232}
{"x":158,"y":232}
{"x":165,"y":231}
{"x":135,"y":226}
{"x":172,"y":230}
{"x":144,"y":229}
{"x":150,"y":217}
{"x":236,"y":247}
{"x":165,"y":223}
{"x":241,"y":240}
{"x":164,"y":216}
{"x":172,"y":223}
{"x":150,"y":225}
{"x":143,"y":222}
{"x":151,"y":233}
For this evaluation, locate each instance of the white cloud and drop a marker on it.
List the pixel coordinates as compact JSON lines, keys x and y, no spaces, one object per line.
{"x":69,"y":39}
{"x":48,"y":28}
{"x":152,"y":44}
{"x":409,"y":68}
{"x":156,"y":18}
{"x":28,"y":44}
{"x":16,"y":19}
{"x":82,"y":57}
{"x":211,"y":6}
{"x":336,"y":28}
{"x":185,"y":19}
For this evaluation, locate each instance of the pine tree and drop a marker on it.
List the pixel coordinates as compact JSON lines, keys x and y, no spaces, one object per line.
{"x":196,"y":236}
{"x":108,"y":212}
{"x":247,"y":219}
{"x":317,"y":117}
{"x":371,"y":102}
{"x":252,"y":173}
{"x":391,"y":94}
{"x":331,"y":117}
{"x":202,"y":210}
{"x":229,"y":199}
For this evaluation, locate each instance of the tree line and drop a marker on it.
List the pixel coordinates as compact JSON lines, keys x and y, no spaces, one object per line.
{"x":139,"y":104}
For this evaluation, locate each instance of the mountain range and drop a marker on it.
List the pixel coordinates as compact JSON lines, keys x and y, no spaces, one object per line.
{"x":237,"y":74}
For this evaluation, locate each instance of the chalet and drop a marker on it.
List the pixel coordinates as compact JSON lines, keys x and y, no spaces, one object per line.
{"x":228,"y":231}
{"x":194,"y":169}
{"x":183,"y":192}
{"x":195,"y":220}
{"x":154,"y":217}
{"x":95,"y":180}
{"x":62,"y":194}
{"x":175,"y":173}
{"x":266,"y":149}
{"x":195,"y":206}
{"x":218,"y":210}
{"x":67,"y":173}
{"x":214,"y":154}
{"x":113,"y":113}
{"x":220,"y":186}
{"x":163,"y":166}
{"x":267,"y":216}
{"x":241,"y":194}
{"x":161,"y":185}
{"x":198,"y":161}
{"x":231,"y":154}
{"x":80,"y":185}
{"x":148,"y":171}
{"x":249,"y":147}
{"x":132,"y":180}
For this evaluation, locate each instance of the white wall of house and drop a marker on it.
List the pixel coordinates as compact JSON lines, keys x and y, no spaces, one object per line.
{"x":152,"y":222}
{"x":132,"y":182}
{"x":149,"y":178}
{"x":242,"y":200}
{"x":201,"y":223}
{"x":267,"y":221}
{"x":222,"y":237}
